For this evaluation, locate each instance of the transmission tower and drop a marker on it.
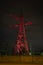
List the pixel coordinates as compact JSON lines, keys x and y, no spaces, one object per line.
{"x":21,"y":46}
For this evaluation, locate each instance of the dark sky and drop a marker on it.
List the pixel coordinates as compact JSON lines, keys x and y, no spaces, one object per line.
{"x":32,"y":10}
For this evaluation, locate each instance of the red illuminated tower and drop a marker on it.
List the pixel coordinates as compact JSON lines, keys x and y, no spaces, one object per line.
{"x":21,"y":42}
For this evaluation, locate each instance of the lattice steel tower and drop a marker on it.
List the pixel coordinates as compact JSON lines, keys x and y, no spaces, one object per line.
{"x":21,"y":46}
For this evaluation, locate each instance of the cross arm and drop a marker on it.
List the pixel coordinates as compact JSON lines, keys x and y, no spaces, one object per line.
{"x":14,"y":17}
{"x":13,"y":26}
{"x":28,"y":23}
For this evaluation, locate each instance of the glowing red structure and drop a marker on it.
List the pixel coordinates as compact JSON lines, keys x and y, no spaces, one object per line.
{"x":21,"y":42}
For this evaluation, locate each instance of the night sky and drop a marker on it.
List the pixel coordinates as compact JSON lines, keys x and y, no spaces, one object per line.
{"x":32,"y":11}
